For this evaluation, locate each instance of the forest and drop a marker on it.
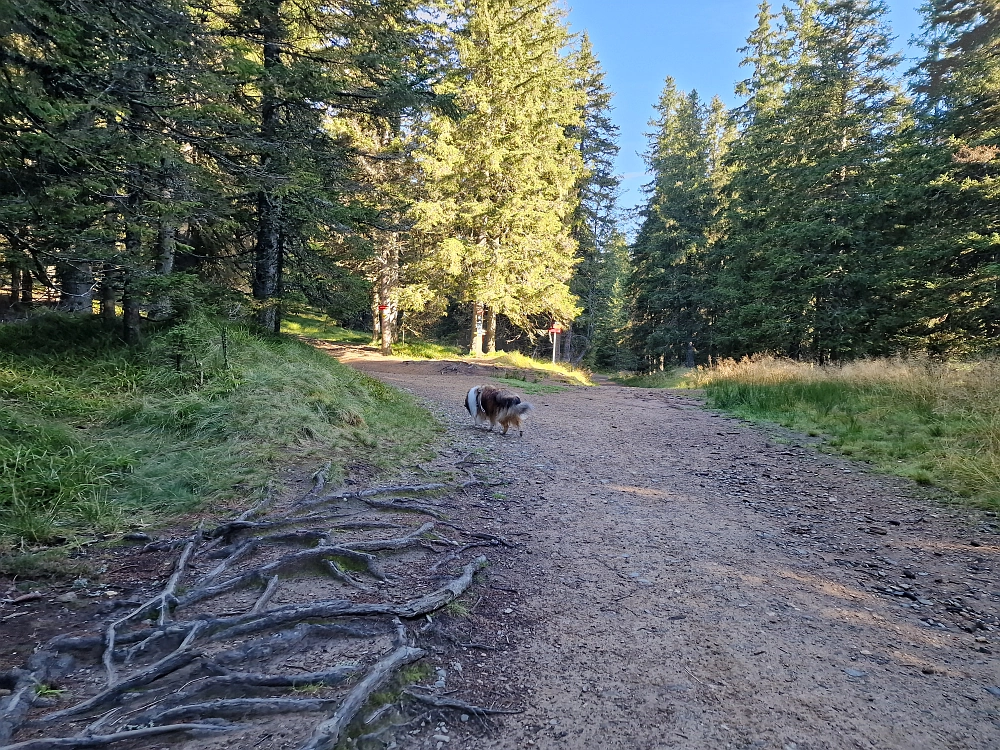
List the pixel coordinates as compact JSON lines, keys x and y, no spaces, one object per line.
{"x":448,"y":169}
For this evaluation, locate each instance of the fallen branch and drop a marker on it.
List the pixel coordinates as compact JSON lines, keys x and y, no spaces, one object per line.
{"x":441,"y":702}
{"x":99,"y":740}
{"x":327,"y":735}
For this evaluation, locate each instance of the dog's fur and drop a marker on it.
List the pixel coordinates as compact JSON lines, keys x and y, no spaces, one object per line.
{"x":486,"y":402}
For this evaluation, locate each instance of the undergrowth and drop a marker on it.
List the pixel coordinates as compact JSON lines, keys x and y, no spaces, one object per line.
{"x":935,"y":423}
{"x":96,"y":437}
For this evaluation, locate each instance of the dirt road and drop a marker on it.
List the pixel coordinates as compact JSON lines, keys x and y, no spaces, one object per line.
{"x":684,"y":580}
{"x":656,"y":576}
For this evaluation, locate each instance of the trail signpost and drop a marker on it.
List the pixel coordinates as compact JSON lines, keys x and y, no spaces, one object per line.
{"x":554,"y":332}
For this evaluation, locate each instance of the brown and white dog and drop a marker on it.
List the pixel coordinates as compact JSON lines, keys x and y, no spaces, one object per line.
{"x":487,"y":402}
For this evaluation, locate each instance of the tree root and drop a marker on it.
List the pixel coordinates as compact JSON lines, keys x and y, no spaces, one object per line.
{"x":456,"y":553}
{"x":100,"y":740}
{"x":327,"y":734}
{"x":161,"y":600}
{"x":442,"y":702}
{"x":401,"y":504}
{"x":171,"y":663}
{"x":413,"y":539}
{"x":234,"y":707}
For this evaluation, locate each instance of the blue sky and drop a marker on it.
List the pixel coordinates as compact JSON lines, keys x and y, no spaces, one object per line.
{"x":641,"y":42}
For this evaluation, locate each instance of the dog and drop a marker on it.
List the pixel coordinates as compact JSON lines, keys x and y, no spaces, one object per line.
{"x":487,"y":402}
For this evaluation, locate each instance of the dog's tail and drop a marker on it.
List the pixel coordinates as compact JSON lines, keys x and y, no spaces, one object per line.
{"x":520,"y":409}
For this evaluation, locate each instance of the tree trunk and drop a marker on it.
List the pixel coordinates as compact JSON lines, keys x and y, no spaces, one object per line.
{"x":568,"y":345}
{"x":15,"y":284}
{"x":491,"y":330}
{"x":107,"y":295}
{"x":27,"y":286}
{"x":130,"y":311}
{"x":388,"y":275}
{"x":476,"y":341}
{"x":267,"y":257}
{"x":76,"y":287}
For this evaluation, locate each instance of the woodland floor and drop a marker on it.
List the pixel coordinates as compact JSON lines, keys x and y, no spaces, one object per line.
{"x":658,"y":576}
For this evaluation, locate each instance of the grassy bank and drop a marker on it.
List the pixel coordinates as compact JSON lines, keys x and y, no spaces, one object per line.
{"x":96,"y":437}
{"x":523,"y":368}
{"x":937,"y":424}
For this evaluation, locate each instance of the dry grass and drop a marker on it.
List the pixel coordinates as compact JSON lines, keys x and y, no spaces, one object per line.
{"x":937,"y":423}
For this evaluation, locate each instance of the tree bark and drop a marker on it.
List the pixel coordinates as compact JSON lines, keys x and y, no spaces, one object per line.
{"x":76,"y":287}
{"x":476,"y":340}
{"x":107,"y":295}
{"x":15,"y":284}
{"x":27,"y":287}
{"x":130,"y":312}
{"x":491,"y":330}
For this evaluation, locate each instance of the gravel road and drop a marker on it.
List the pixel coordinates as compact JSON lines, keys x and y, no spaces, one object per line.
{"x":686,"y":580}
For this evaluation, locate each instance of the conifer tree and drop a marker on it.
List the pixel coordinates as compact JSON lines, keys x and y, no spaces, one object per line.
{"x":501,"y":183}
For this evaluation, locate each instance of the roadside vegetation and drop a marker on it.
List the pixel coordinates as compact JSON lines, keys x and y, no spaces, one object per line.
{"x":97,"y":437}
{"x":520,"y":370}
{"x":935,"y":423}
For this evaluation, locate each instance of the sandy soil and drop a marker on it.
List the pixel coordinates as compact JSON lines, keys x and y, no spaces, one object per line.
{"x":669,"y":578}
{"x":686,"y":580}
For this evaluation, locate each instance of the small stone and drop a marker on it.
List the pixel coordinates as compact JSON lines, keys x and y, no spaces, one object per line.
{"x":866,"y":652}
{"x":81,"y":583}
{"x":463,"y":717}
{"x":855,"y":673}
{"x":441,"y":738}
{"x":66,"y":598}
{"x":508,"y":611}
{"x":993,"y":690}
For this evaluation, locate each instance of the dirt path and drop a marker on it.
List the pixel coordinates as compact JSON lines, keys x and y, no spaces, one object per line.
{"x":657,"y":576}
{"x":685,"y":581}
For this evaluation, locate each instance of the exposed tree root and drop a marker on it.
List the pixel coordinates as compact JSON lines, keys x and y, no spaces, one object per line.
{"x":100,"y":740}
{"x":327,"y":734}
{"x":183,"y":690}
{"x":438,"y":701}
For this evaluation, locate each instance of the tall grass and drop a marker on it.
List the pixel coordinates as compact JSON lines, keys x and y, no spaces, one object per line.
{"x":936,"y":423}
{"x":94,"y":436}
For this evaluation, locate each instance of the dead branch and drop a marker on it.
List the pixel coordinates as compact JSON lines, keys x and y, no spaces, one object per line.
{"x":99,"y":740}
{"x":459,"y":705}
{"x":327,"y":735}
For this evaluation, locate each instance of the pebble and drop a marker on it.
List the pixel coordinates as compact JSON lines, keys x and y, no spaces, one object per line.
{"x":441,"y":738}
{"x":463,"y":717}
{"x":855,"y":673}
{"x":69,"y":596}
{"x":993,"y":690}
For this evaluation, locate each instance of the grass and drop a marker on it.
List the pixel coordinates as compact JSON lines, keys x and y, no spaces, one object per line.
{"x":318,"y":326}
{"x":526,"y":386}
{"x":315,"y":325}
{"x":672,"y":378}
{"x":937,"y":424}
{"x":95,"y":437}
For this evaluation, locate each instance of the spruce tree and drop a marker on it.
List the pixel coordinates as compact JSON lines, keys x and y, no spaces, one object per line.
{"x":501,"y":183}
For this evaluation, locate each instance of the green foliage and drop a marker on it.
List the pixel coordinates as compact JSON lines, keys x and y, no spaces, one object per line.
{"x":94,"y":435}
